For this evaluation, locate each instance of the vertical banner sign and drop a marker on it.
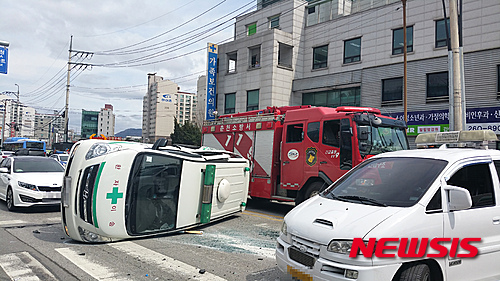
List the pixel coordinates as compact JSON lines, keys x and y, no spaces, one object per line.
{"x":211,"y":81}
{"x":4,"y":54}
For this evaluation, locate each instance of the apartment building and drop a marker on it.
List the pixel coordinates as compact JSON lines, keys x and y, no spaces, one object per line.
{"x":106,"y":121}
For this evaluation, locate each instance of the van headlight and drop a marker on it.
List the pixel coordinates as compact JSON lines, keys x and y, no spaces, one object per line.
{"x":284,"y":229}
{"x":92,"y":237}
{"x":340,"y":246}
{"x":101,"y":148}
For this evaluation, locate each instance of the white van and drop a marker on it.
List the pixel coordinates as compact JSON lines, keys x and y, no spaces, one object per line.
{"x":116,"y":190}
{"x":452,"y":194}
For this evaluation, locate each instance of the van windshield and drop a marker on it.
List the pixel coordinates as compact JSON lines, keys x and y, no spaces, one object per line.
{"x":153,"y":193}
{"x":396,"y":182}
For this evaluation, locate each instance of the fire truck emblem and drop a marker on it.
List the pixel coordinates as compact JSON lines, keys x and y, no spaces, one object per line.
{"x":311,"y":156}
{"x":293,"y":154}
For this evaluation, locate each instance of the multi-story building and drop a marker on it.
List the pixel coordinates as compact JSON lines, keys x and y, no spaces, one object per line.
{"x":162,"y":104}
{"x":89,"y":123}
{"x":106,"y":121}
{"x":19,"y":119}
{"x":49,"y":127}
{"x":343,"y":52}
{"x":201,"y":96}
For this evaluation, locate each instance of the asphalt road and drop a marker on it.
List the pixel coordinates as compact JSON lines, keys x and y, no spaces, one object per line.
{"x":241,"y":247}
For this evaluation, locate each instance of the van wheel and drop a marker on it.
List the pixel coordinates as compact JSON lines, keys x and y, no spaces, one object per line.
{"x":418,"y":272}
{"x":313,"y":189}
{"x":10,"y":200}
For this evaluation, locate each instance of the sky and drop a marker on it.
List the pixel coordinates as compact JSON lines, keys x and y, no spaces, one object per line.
{"x":127,"y":38}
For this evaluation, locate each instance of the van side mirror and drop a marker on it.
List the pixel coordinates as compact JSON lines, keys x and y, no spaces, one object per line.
{"x":458,"y":198}
{"x":4,"y":170}
{"x":363,"y":132}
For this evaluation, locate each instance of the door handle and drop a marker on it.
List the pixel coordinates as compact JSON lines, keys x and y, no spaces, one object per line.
{"x":496,"y":220}
{"x":286,"y":162}
{"x":323,"y":162}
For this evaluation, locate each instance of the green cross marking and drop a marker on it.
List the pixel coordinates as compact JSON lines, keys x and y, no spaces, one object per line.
{"x":114,"y":196}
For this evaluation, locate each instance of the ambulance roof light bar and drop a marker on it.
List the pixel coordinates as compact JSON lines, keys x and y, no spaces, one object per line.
{"x":478,"y":138}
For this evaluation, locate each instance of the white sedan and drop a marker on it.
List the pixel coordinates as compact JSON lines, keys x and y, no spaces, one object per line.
{"x":30,"y":180}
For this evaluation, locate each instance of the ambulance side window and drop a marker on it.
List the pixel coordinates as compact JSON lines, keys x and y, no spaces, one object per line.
{"x":477,"y":180}
{"x":313,"y":131}
{"x":434,"y":205}
{"x":331,"y":134}
{"x":295,"y":133}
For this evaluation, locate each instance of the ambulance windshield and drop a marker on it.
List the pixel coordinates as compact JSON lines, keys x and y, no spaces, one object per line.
{"x":153,"y":193}
{"x":386,"y":181}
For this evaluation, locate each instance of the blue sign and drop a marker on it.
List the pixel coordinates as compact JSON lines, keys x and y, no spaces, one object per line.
{"x":4,"y":55}
{"x":211,"y":81}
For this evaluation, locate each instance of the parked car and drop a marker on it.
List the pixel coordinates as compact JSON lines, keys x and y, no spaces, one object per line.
{"x":30,"y":152}
{"x":6,"y":153}
{"x":30,"y":180}
{"x":445,"y":199}
{"x":61,"y":158}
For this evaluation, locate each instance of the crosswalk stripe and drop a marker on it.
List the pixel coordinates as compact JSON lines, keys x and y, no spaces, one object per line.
{"x":22,"y":266}
{"x":12,"y":222}
{"x":95,"y":270}
{"x":163,"y":261}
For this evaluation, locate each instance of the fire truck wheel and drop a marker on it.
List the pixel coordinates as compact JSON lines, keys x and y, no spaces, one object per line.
{"x":312,"y":189}
{"x":417,"y":272}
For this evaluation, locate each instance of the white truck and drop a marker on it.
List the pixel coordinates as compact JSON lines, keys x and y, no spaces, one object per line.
{"x":425,"y":214}
{"x":116,"y":190}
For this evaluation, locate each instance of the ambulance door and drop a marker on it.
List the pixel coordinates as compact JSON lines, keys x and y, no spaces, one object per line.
{"x":482,"y":220}
{"x":293,"y":156}
{"x":329,"y":149}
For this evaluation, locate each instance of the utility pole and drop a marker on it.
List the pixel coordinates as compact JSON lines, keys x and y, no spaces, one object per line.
{"x":405,"y":100}
{"x":19,"y":115}
{"x":456,"y":68}
{"x":3,"y":125}
{"x":67,"y":91}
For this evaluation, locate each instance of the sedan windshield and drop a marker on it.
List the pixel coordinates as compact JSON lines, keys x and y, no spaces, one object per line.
{"x":42,"y":165}
{"x":397,"y":182}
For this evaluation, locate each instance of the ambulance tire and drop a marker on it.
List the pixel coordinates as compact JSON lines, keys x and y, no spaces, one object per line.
{"x":312,"y":189}
{"x":417,"y":272}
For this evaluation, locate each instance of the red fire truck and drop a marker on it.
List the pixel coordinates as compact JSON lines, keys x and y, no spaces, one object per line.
{"x":297,"y":151}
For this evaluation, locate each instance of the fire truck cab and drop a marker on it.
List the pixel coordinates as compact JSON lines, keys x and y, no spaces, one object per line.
{"x":297,"y":151}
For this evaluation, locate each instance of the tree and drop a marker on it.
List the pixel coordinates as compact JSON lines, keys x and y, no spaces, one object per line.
{"x":188,"y":133}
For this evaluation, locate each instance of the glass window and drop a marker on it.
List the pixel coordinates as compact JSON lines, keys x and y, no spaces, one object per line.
{"x":229,"y":103}
{"x":274,"y":21}
{"x":320,"y":57}
{"x":252,"y":100}
{"x":252,"y":28}
{"x":254,"y":58}
{"x":331,"y":133}
{"x":333,"y":98}
{"x":441,"y":26}
{"x":153,"y":193}
{"x":498,"y":79}
{"x":313,"y":131}
{"x":231,"y":62}
{"x":285,"y":55}
{"x":386,"y":181}
{"x":437,"y":85}
{"x":392,"y":89}
{"x":477,"y":180}
{"x":295,"y":133}
{"x":435,"y":204}
{"x":352,"y":50}
{"x":398,"y":40}
{"x":42,"y":165}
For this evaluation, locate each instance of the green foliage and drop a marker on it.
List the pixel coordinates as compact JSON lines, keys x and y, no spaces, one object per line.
{"x":188,"y":133}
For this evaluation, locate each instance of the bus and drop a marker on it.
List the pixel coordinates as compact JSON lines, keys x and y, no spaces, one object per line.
{"x":62,"y":147}
{"x":16,"y":143}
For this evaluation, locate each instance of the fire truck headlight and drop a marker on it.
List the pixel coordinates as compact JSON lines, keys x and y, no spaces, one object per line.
{"x":91,"y":237}
{"x":340,"y":246}
{"x":101,"y":148}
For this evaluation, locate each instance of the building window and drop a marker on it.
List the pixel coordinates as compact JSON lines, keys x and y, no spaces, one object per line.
{"x":254,"y":57}
{"x":252,"y":28}
{"x":498,"y":80}
{"x":285,"y":55}
{"x":392,"y":90}
{"x":231,"y":62}
{"x":333,"y":98}
{"x":274,"y":21}
{"x":437,"y":86}
{"x":441,"y":39}
{"x":320,"y":57}
{"x":398,"y":40}
{"x":352,"y":50}
{"x":252,"y":100}
{"x":229,"y":103}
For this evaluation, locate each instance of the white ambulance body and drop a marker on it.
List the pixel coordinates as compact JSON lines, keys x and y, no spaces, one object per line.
{"x":116,"y":190}
{"x":424,"y":194}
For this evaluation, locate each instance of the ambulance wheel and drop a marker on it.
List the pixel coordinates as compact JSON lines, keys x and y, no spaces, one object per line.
{"x":312,"y":190}
{"x":417,"y":272}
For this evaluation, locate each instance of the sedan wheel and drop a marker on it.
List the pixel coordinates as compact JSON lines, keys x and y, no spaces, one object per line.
{"x":10,"y":200}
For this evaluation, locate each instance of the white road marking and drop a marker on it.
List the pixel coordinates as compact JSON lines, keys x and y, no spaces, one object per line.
{"x":12,"y":222}
{"x":95,"y":270}
{"x":163,"y":261}
{"x":22,"y":266}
